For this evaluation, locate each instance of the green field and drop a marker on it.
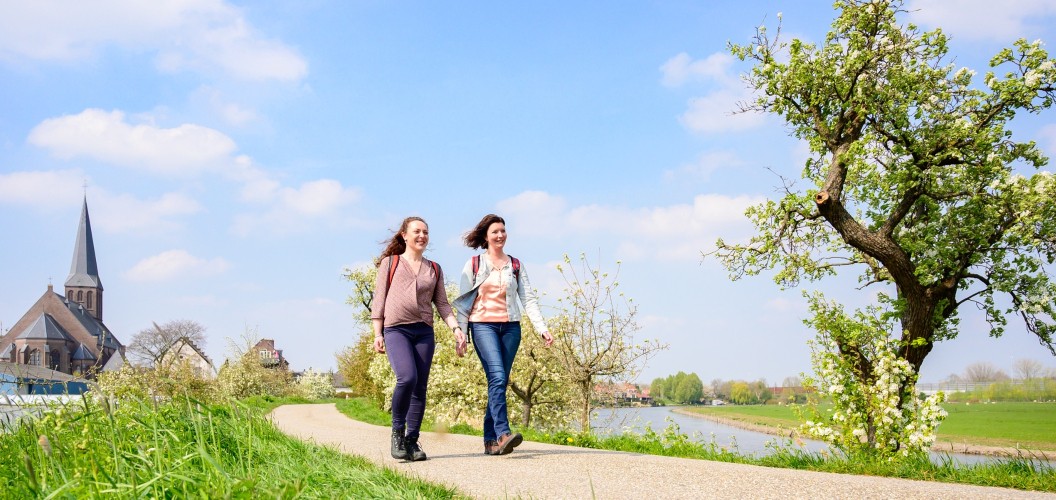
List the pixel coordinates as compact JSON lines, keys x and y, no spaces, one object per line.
{"x":1030,"y":426}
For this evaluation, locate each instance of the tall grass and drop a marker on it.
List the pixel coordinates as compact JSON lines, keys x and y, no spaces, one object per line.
{"x":181,"y":448}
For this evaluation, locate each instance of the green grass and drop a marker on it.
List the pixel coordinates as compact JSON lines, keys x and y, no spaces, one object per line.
{"x":1019,"y":473}
{"x":183,"y":449}
{"x":1016,"y":425}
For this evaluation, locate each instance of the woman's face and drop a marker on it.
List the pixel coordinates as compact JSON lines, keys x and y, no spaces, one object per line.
{"x":417,"y":235}
{"x":496,"y":236}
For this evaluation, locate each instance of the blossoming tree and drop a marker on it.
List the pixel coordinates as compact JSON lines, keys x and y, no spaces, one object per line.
{"x":914,"y":179}
{"x":594,"y":333}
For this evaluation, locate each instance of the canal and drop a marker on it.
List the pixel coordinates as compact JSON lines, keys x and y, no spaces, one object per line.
{"x":745,"y":442}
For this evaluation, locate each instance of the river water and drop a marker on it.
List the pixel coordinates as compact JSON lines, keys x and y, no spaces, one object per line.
{"x":745,"y":442}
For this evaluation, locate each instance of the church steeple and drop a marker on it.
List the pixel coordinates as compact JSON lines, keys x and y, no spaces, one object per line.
{"x":83,"y":285}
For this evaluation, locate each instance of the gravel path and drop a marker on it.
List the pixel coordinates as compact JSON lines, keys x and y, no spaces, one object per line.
{"x":537,"y":470}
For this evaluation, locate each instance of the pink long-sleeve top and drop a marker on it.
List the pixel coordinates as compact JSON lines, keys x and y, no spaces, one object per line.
{"x":410,"y":296}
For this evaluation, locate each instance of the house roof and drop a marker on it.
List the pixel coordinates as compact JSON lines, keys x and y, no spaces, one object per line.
{"x":7,"y":352}
{"x":84,"y":271}
{"x":46,"y":328}
{"x":189,"y":343}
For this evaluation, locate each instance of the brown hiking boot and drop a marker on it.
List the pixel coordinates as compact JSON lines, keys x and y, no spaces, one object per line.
{"x":491,"y":448}
{"x":507,"y":442}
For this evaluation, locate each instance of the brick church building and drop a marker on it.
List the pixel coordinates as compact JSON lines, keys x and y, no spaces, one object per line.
{"x":65,"y":332}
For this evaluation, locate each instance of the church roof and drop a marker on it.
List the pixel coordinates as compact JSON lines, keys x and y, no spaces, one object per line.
{"x":45,"y":328}
{"x":30,"y":372}
{"x":84,"y":271}
{"x":83,"y":353}
{"x":116,"y":361}
{"x":7,"y":352}
{"x":94,"y":326}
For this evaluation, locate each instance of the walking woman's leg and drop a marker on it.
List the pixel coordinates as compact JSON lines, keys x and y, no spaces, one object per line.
{"x":424,"y":346}
{"x":509,"y":341}
{"x":398,"y":349}
{"x":486,"y":343}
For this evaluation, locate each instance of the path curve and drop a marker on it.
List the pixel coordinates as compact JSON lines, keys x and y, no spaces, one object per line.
{"x":538,"y":470}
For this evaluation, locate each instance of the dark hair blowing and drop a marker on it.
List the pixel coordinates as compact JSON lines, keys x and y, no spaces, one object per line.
{"x":478,"y":236}
{"x":397,"y":245}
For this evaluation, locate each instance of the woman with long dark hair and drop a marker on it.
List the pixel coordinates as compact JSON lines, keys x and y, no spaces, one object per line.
{"x":407,"y":287}
{"x":494,"y":295}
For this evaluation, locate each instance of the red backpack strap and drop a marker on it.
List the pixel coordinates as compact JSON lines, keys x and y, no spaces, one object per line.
{"x":394,"y":260}
{"x":436,"y":269}
{"x":516,"y":269}
{"x":476,"y":266}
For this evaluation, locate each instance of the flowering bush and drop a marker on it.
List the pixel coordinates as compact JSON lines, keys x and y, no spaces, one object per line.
{"x":315,"y":385}
{"x":875,"y":408}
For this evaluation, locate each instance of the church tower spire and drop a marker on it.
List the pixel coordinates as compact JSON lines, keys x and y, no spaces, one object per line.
{"x":83,"y":285}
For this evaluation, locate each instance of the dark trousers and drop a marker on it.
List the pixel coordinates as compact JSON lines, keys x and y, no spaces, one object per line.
{"x":410,"y":350}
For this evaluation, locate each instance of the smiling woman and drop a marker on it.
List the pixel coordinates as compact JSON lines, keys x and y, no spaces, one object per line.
{"x":406,"y":288}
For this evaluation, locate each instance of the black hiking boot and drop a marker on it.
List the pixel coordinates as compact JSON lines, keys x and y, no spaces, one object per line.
{"x":398,"y":450}
{"x":414,"y":450}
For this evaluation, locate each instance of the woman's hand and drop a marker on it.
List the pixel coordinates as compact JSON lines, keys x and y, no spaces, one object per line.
{"x":547,"y":339}
{"x":379,"y":344}
{"x":460,"y":342}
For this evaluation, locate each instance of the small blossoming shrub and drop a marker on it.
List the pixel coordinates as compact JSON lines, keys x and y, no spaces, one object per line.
{"x":315,"y":385}
{"x":875,"y":408}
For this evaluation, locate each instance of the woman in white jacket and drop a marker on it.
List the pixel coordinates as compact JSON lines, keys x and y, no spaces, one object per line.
{"x":495,"y":294}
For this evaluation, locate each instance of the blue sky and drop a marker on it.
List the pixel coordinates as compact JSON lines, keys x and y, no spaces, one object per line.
{"x":238,"y":156}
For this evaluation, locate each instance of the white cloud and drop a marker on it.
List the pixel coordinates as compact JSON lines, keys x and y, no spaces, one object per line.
{"x":1003,"y":21}
{"x":705,"y":164}
{"x":199,"y":35}
{"x":674,"y":232}
{"x":106,"y":136}
{"x":293,"y":209}
{"x":682,"y":68}
{"x":317,"y":197}
{"x":42,"y":190}
{"x":213,"y":101}
{"x":174,"y":264}
{"x":716,"y":111}
{"x":127,"y":213}
{"x":114,"y":213}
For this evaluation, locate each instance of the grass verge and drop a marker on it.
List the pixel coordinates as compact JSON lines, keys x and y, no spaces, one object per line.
{"x":1022,"y":425}
{"x":182,"y":448}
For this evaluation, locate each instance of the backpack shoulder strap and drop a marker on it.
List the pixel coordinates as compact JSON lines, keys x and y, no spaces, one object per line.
{"x":516,"y":269}
{"x":476,"y":266}
{"x":394,"y":260}
{"x":436,"y":268}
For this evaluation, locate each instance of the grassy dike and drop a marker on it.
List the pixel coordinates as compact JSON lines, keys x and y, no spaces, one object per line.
{"x":183,"y":449}
{"x":1027,"y":426}
{"x":1019,"y":473}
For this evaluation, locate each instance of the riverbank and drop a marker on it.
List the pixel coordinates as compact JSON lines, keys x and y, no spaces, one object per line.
{"x":943,"y":446}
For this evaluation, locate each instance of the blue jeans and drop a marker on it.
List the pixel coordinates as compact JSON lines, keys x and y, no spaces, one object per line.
{"x":496,"y":345}
{"x":410,"y":350}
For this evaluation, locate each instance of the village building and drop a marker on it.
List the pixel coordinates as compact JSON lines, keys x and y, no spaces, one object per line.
{"x":65,"y":332}
{"x":184,"y":350}
{"x":269,"y":356}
